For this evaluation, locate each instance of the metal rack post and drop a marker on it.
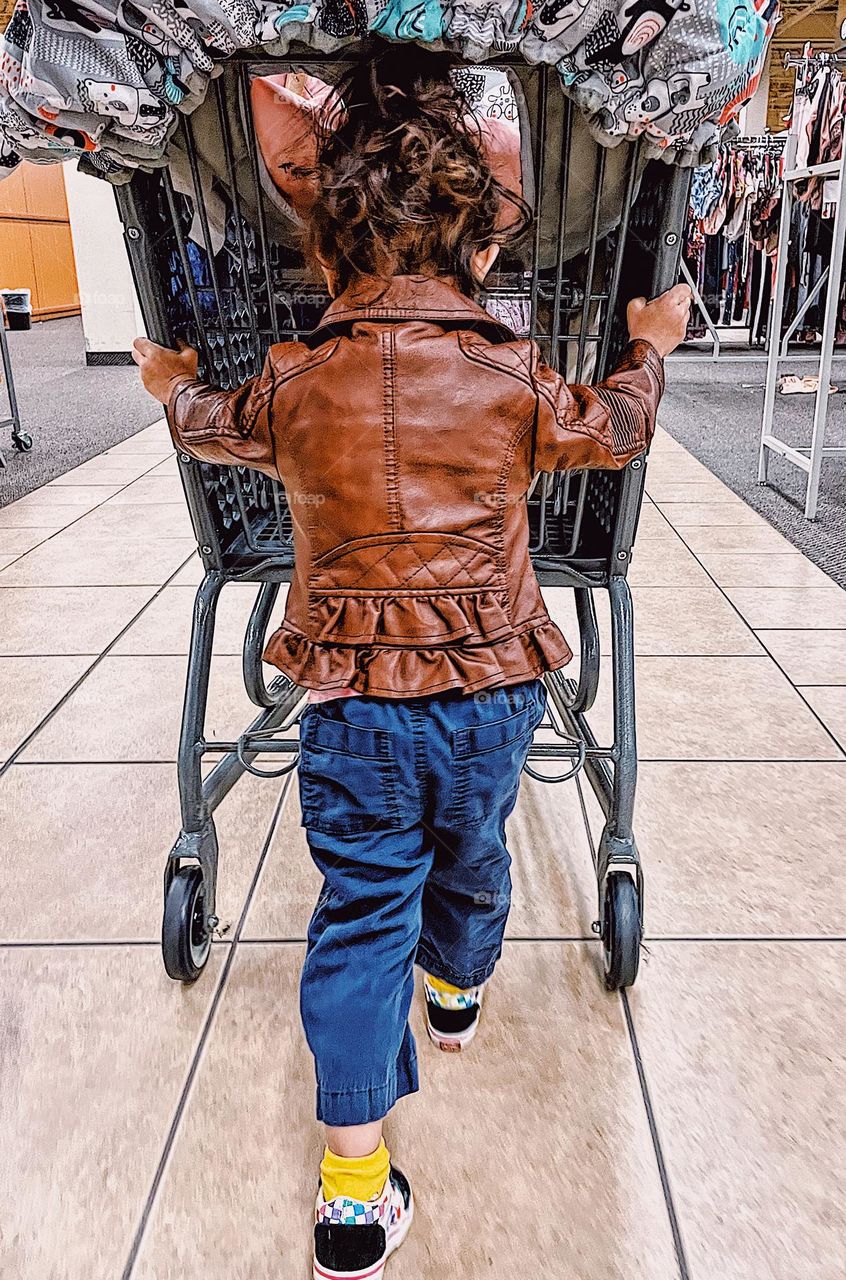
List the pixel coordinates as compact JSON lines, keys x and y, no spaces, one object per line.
{"x":20,"y":440}
{"x":809,"y":458}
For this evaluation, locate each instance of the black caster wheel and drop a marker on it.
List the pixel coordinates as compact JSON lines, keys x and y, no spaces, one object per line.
{"x":186,"y":942}
{"x":22,"y":442}
{"x":620,"y":931}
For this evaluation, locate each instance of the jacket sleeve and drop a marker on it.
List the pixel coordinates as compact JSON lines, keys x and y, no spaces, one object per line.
{"x":600,"y":426}
{"x":229,"y":427}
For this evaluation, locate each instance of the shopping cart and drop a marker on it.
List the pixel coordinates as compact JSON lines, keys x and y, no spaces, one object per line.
{"x":214,"y":265}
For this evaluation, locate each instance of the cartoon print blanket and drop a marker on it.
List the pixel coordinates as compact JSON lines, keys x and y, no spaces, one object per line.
{"x":106,"y":78}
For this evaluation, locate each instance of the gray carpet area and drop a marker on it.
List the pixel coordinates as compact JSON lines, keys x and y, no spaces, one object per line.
{"x":72,"y":412}
{"x":714,"y":409}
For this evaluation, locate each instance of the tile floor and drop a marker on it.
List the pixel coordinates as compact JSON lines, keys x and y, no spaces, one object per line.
{"x":692,"y":1130}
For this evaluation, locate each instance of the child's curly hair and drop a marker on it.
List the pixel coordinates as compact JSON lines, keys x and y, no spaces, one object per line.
{"x":404,"y":186}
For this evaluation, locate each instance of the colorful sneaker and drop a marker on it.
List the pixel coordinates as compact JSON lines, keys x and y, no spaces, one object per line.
{"x":353,"y":1239}
{"x":452,"y":1017}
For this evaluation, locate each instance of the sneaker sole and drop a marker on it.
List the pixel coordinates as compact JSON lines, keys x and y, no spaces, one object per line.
{"x":452,"y":1043}
{"x":396,"y":1235}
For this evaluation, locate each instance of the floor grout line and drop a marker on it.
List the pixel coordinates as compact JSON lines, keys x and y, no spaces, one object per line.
{"x":44,"y":944}
{"x":675,"y":1229}
{"x":766,"y":938}
{"x":205,"y":1034}
{"x":675,"y":1226}
{"x":837,"y":758}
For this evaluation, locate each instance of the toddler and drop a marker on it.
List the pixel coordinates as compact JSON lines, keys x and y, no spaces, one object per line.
{"x":407,"y":429}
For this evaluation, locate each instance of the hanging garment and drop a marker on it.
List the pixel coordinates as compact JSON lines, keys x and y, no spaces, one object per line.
{"x":107,"y":78}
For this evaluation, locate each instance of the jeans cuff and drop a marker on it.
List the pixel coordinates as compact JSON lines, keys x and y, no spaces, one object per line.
{"x":372,"y":1102}
{"x":437,"y":969}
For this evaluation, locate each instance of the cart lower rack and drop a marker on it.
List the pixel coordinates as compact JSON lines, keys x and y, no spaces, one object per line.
{"x":215,"y":263}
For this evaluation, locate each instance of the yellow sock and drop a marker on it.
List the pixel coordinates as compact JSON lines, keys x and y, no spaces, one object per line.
{"x":358,"y":1177}
{"x":447,"y":987}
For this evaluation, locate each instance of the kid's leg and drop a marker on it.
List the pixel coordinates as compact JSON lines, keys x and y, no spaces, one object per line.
{"x":357,"y":986}
{"x":357,"y":980}
{"x":468,"y":892}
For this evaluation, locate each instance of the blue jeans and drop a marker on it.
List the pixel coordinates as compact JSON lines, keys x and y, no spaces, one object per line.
{"x":404,"y":805}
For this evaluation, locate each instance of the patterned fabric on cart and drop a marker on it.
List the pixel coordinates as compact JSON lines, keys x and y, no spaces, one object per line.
{"x":106,"y":78}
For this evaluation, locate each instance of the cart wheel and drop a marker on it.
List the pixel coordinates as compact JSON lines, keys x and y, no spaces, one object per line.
{"x":186,"y":942}
{"x":22,"y":442}
{"x":621,"y":931}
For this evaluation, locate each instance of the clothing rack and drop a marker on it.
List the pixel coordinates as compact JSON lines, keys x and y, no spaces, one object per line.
{"x":759,"y":145}
{"x":809,"y":458}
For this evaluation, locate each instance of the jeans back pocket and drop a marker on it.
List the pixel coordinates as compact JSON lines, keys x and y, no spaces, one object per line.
{"x":348,"y":777}
{"x":489,"y":757}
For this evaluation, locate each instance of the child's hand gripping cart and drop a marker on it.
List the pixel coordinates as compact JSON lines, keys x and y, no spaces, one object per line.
{"x":218,"y":267}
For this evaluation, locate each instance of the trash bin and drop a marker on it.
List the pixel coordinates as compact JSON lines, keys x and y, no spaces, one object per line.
{"x":18,"y":307}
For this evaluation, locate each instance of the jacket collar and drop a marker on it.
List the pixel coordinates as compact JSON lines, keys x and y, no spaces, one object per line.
{"x":406,"y":298}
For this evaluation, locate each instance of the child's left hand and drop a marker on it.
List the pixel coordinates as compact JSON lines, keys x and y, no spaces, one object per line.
{"x":161,"y":368}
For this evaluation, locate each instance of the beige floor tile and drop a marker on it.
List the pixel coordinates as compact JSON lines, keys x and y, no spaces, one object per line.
{"x":751,"y":570}
{"x":154,"y":446}
{"x":66,"y":619}
{"x":253,"y":1208}
{"x":7,"y":560}
{"x":740,"y":849}
{"x":19,"y":515}
{"x":191,"y":574}
{"x":809,"y":657}
{"x":95,"y":1045}
{"x":668,"y":622}
{"x":744,"y":1054}
{"x":166,"y":626}
{"x":830,"y":706}
{"x":117,"y":470}
{"x":16,"y":542}
{"x":710,"y":490}
{"x":718,"y":709}
{"x":788,"y":608}
{"x":151,"y":520}
{"x":554,"y":886}
{"x":31,"y":686}
{"x":683,"y":515}
{"x":157,"y":430}
{"x":131,"y":709}
{"x":85,"y":849}
{"x":169,"y":466}
{"x":738,"y":539}
{"x":59,"y":498}
{"x":68,"y":560}
{"x":673,"y":469}
{"x":552,"y":875}
{"x":652,"y":525}
{"x":665,"y":563}
{"x":691,"y":620}
{"x":150,"y":489}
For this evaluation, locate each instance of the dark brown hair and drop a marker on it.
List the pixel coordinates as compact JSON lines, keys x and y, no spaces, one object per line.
{"x":404,"y":187}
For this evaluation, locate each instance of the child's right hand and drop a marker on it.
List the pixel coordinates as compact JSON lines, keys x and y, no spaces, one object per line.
{"x":663,"y":322}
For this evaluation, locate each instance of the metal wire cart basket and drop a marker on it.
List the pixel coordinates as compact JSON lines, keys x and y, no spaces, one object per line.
{"x":215,"y":265}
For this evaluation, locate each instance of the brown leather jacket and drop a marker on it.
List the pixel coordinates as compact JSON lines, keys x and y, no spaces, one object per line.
{"x":407,"y":433}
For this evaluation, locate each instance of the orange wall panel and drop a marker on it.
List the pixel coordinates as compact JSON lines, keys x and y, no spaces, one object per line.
{"x":12,"y":194}
{"x":36,"y":250}
{"x":55,"y":274}
{"x":17,"y":265}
